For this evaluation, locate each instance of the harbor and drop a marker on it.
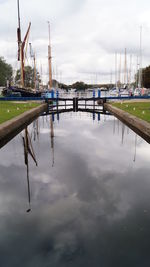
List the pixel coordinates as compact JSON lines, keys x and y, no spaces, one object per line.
{"x":74,"y":133}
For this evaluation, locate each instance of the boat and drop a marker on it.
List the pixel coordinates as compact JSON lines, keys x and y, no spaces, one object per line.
{"x":123,"y":92}
{"x":114,"y":92}
{"x":137,"y":92}
{"x":21,"y":90}
{"x":13,"y":91}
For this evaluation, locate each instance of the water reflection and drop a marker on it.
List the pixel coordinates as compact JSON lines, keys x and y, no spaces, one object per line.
{"x":28,"y":150}
{"x":92,"y":208}
{"x":135,"y":148}
{"x":123,"y":128}
{"x":52,"y":118}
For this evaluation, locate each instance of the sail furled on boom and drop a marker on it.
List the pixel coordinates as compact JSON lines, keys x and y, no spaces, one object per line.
{"x":19,"y":32}
{"x":21,"y":45}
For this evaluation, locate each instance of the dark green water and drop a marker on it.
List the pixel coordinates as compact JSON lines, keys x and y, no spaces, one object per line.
{"x":90,"y":196}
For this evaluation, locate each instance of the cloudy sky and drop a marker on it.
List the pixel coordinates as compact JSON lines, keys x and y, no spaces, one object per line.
{"x":85,"y":35}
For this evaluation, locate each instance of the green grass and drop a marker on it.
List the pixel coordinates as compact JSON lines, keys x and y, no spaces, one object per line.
{"x":138,"y":109}
{"x":9,"y":110}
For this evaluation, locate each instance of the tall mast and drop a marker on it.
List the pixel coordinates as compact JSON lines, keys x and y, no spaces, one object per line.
{"x":140,"y":60}
{"x":120,"y":70}
{"x":137,"y":71}
{"x":111,"y":79}
{"x":18,"y":14}
{"x":49,"y":58}
{"x":116,"y":69}
{"x":125,"y":68}
{"x":41,"y":69}
{"x":20,"y":52}
{"x":33,"y":56}
{"x":34,"y":72}
{"x":21,"y":44}
{"x":130,"y":71}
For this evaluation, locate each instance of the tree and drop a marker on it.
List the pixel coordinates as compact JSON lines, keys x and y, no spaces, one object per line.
{"x":29,"y":77}
{"x":145,"y":82}
{"x":5,"y":72}
{"x":79,"y":86}
{"x":146,"y":77}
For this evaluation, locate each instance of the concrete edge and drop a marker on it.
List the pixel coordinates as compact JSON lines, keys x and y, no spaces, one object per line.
{"x":142,"y":128}
{"x":11,"y":128}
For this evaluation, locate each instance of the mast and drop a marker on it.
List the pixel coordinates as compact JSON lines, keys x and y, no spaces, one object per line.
{"x":140,"y":60}
{"x":34,"y":72}
{"x":111,"y":79}
{"x":52,"y":138}
{"x":41,"y":69}
{"x":19,"y":32}
{"x":116,"y":69}
{"x":20,"y":54}
{"x":125,"y":68}
{"x":49,"y":58}
{"x":120,"y":71}
{"x":21,"y":44}
{"x":137,"y":70}
{"x":130,"y":71}
{"x":32,"y":55}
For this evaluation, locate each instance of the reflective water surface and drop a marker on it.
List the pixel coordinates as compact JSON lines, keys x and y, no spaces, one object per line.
{"x":86,"y":203}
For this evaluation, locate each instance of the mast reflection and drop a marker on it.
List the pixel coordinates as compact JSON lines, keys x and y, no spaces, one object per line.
{"x":28,"y":150}
{"x":52,"y":137}
{"x":134,"y":159}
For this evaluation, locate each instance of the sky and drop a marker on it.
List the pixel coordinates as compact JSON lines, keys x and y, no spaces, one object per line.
{"x":85,"y":36}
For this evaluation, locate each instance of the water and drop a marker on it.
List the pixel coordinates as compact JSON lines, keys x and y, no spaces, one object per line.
{"x":90,"y":196}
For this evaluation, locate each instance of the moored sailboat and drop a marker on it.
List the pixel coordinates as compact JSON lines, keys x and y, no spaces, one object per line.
{"x":21,"y":90}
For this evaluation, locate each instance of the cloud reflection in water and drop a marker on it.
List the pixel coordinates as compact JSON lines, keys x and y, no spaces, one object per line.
{"x":92,"y":208}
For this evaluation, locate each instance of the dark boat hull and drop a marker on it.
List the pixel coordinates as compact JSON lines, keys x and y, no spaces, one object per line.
{"x":23,"y":92}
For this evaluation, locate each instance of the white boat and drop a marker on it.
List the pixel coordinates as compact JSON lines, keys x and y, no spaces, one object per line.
{"x":137,"y":92}
{"x":124,"y":92}
{"x":114,"y":92}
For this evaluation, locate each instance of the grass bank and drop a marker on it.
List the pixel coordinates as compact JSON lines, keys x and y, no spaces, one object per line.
{"x":138,"y":109}
{"x":9,"y":110}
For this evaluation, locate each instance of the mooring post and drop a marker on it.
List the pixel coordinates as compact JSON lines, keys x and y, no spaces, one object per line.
{"x":75,"y":104}
{"x":99,"y":93}
{"x":52,"y":94}
{"x":93,"y":93}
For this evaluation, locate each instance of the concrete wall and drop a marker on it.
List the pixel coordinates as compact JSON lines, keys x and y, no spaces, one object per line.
{"x":14,"y":126}
{"x":139,"y":126}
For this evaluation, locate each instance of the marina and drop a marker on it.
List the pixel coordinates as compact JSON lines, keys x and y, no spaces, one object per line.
{"x":74,"y":134}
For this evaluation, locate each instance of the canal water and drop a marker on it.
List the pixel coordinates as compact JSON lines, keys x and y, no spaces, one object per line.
{"x":86,"y":203}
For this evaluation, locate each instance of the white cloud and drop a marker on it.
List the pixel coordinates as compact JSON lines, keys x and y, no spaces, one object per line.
{"x":85,"y":34}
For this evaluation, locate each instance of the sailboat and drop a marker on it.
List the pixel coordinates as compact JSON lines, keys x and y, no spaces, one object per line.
{"x":21,"y":91}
